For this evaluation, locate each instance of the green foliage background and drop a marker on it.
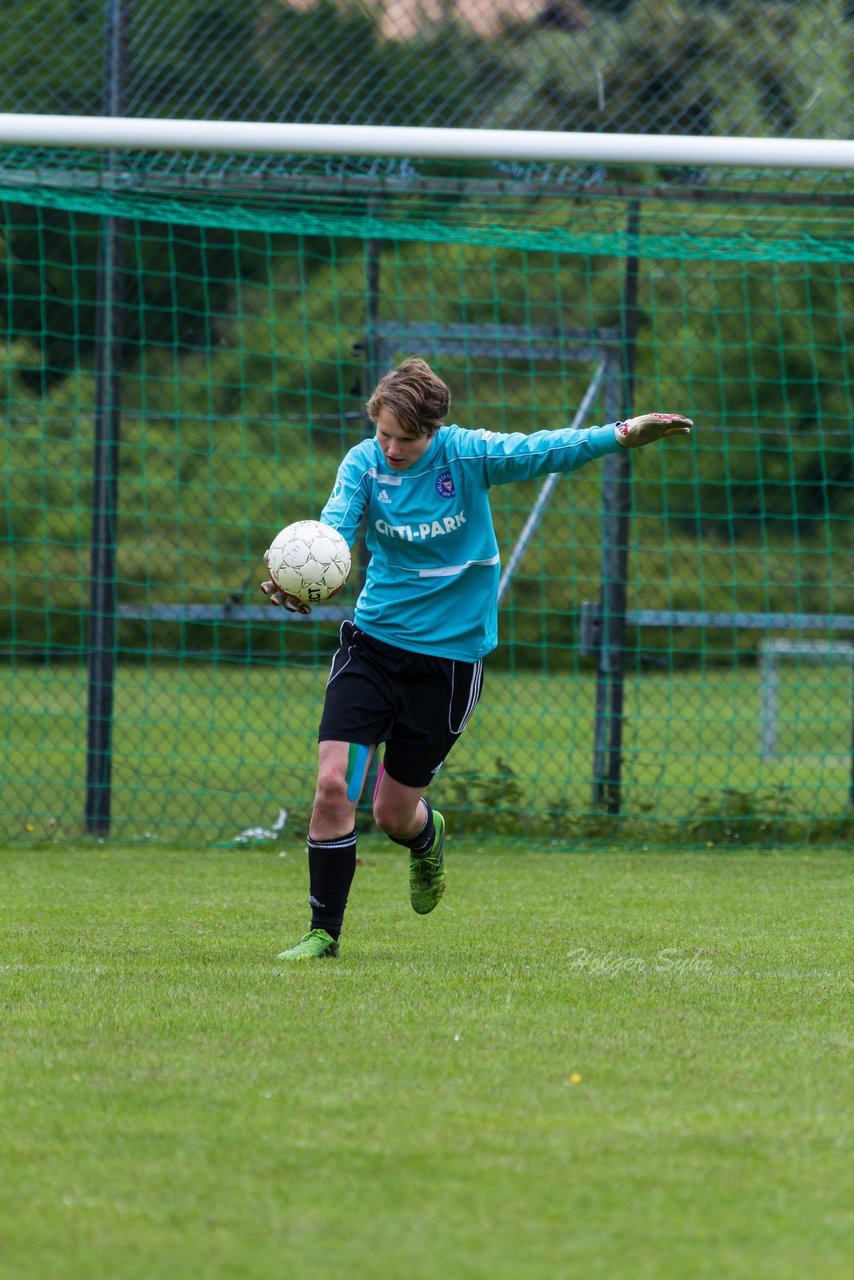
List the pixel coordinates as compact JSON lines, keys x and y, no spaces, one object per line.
{"x":234,"y":422}
{"x":766,"y":67}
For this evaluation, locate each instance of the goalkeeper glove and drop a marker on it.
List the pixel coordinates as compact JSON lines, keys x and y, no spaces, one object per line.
{"x":648,"y":427}
{"x":276,"y":595}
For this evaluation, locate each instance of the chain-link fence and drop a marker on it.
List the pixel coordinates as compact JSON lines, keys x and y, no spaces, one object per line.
{"x":751,"y":67}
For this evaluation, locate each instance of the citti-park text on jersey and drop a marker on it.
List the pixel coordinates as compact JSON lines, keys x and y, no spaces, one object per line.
{"x":420,"y":532}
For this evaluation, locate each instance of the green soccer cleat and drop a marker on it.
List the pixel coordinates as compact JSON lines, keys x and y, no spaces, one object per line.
{"x":427,"y":873}
{"x":316,"y":944}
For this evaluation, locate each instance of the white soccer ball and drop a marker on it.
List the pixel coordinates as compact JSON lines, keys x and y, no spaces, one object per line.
{"x":309,"y":560}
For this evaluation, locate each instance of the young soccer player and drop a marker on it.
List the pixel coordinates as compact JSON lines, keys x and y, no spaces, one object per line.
{"x":408,"y":672}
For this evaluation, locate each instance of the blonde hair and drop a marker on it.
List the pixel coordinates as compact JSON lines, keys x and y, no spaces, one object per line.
{"x":417,"y":397}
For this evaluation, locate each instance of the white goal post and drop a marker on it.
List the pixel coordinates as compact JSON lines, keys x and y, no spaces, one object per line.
{"x":128,"y":133}
{"x":771,"y":651}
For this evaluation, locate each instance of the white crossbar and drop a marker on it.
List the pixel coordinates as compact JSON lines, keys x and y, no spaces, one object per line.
{"x":134,"y":134}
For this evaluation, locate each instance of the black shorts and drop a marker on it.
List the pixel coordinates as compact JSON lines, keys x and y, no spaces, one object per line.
{"x":416,"y":704}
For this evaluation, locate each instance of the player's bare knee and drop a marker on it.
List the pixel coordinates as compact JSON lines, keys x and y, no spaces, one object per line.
{"x":392,"y":820}
{"x":330,"y":798}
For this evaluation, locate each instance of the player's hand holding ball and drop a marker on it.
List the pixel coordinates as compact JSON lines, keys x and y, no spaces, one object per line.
{"x":648,"y":427}
{"x":276,"y":596}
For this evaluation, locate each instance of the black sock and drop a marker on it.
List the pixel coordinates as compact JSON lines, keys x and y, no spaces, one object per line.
{"x":331,"y":867}
{"x":422,"y":841}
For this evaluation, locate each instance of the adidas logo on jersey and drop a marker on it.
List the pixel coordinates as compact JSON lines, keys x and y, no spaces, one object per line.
{"x":383,"y":496}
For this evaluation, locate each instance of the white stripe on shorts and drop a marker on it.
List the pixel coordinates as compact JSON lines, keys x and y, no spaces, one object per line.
{"x":474,"y":694}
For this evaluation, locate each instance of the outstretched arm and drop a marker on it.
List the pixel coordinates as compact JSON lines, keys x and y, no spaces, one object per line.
{"x":648,"y":427}
{"x":515,"y":456}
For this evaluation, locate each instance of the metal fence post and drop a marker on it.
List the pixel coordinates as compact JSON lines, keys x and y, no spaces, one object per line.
{"x":616,"y":501}
{"x":105,"y":477}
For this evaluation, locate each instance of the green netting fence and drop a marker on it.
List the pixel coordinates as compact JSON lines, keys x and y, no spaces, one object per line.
{"x":189,"y":365}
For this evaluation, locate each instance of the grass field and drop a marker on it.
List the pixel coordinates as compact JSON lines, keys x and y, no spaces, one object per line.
{"x":607,"y":1065}
{"x":202,"y":751}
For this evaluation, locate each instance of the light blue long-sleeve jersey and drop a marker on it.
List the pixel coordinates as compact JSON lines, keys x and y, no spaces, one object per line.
{"x":432,"y":581}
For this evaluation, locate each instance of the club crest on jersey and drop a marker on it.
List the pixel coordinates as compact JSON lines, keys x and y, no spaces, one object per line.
{"x":445,"y":486}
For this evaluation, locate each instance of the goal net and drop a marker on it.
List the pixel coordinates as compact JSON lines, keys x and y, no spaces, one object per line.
{"x":189,"y":339}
